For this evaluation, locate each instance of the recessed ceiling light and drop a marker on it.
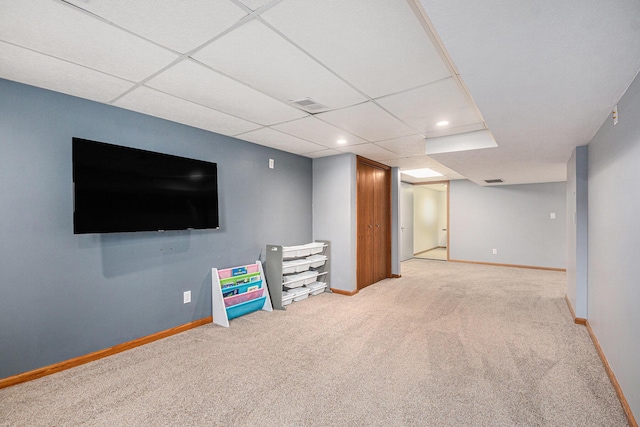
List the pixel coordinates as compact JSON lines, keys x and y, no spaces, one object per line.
{"x":422,"y":173}
{"x":442,"y":123}
{"x":341,"y":141}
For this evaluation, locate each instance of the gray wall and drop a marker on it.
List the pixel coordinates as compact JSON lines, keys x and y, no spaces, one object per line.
{"x":334,"y":215}
{"x":577,"y":216}
{"x":514,"y":219}
{"x":65,"y":295}
{"x":614,"y":237}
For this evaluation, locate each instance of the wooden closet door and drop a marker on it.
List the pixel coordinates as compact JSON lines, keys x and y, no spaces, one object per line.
{"x":364,"y":223}
{"x":381,"y":226}
{"x":373,"y":201}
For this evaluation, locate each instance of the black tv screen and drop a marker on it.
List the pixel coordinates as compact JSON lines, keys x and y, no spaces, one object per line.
{"x":118,"y":189}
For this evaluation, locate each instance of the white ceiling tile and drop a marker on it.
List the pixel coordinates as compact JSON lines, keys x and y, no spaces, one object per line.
{"x":323,"y":153}
{"x":449,"y":173}
{"x":379,"y":47}
{"x":25,"y":66}
{"x":367,"y":121}
{"x":370,"y":151}
{"x":281,"y":141}
{"x":461,"y":142}
{"x":158,"y":104}
{"x":314,"y":130}
{"x":413,"y":180}
{"x":413,"y":162}
{"x":65,"y":32}
{"x":545,"y":74}
{"x":454,"y":131}
{"x":406,"y":146}
{"x":422,"y":162}
{"x":285,"y":72}
{"x":201,"y":85}
{"x":178,"y":25}
{"x":254,"y":4}
{"x":423,"y":107}
{"x":455,"y":175}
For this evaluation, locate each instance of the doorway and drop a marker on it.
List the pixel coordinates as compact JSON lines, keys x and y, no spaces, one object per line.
{"x":426,"y":232}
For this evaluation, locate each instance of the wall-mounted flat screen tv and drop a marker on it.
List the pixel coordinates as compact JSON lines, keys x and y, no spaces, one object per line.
{"x":120,"y":189}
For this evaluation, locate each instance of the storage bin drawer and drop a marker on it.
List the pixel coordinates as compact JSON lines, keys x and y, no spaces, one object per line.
{"x":315,"y":248}
{"x":295,"y":266}
{"x":287,"y":298}
{"x":316,"y":288}
{"x":316,"y":261}
{"x":297,"y":280}
{"x":299,"y":293}
{"x":289,"y":252}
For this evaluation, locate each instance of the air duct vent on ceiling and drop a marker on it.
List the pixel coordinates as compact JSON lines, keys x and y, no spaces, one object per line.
{"x":308,"y":104}
{"x":493,"y":181}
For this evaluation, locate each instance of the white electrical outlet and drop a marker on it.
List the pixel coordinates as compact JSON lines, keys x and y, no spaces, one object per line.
{"x":552,"y":215}
{"x":271,"y":163}
{"x":495,"y":252}
{"x":186,"y":297}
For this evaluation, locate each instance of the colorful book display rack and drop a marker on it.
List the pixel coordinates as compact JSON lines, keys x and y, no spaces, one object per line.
{"x":238,"y":291}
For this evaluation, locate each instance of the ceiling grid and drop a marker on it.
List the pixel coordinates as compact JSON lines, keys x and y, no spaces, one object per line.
{"x":387,"y":73}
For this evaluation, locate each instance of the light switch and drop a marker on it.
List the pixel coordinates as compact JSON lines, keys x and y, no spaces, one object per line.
{"x":552,"y":215}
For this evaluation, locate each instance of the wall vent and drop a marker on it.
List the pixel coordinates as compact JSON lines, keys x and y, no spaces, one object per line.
{"x":493,"y":181}
{"x":308,"y":104}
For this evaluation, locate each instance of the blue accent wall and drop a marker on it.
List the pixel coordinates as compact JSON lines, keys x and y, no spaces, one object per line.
{"x":64,"y":295}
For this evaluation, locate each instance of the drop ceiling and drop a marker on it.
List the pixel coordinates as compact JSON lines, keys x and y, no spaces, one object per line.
{"x":541,"y":76}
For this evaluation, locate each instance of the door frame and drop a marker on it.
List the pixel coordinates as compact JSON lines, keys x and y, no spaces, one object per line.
{"x":405,"y":218}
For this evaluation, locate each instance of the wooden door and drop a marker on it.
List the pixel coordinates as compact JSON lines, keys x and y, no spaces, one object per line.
{"x":381,"y":215}
{"x":364,"y":221}
{"x":373,"y":200}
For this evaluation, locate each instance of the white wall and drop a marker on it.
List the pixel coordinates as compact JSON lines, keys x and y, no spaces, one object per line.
{"x":426,"y":220}
{"x":514,"y":219}
{"x":614,"y":238}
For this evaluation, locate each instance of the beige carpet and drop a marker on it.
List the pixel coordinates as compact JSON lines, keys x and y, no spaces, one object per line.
{"x":437,"y":254}
{"x":448,"y":344}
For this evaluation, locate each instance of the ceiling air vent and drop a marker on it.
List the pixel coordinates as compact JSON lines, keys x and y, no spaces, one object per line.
{"x":308,"y":104}
{"x":493,"y":181}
